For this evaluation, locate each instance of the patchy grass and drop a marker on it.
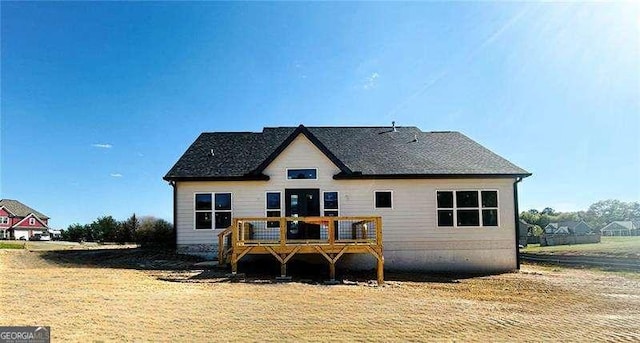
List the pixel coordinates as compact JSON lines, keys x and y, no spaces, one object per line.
{"x":11,"y":245}
{"x":628,"y":247}
{"x":108,"y":301}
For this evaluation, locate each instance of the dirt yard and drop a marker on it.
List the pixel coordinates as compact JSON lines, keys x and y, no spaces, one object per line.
{"x":88,"y":299}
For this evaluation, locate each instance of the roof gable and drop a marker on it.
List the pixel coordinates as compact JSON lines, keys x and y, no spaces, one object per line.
{"x":301,"y":130}
{"x":618,"y":225}
{"x":31,"y":215}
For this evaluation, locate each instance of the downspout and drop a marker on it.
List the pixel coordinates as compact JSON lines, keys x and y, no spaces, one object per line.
{"x":175,"y":214}
{"x":516,"y":216}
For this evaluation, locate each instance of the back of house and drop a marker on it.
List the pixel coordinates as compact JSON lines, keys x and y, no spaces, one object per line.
{"x":446,"y":202}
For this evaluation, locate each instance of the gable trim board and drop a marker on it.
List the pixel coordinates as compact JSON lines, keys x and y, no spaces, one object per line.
{"x":412,"y":239}
{"x":6,"y":209}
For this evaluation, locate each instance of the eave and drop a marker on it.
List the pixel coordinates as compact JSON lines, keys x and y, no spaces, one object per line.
{"x":358,"y":176}
{"x":259,"y":177}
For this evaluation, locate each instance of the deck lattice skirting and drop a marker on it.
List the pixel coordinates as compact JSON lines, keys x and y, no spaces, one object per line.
{"x":332,"y":238}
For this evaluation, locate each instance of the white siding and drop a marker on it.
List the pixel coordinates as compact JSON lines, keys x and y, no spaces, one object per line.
{"x":412,"y":239}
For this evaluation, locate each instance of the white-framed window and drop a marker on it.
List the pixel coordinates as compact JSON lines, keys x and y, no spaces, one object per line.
{"x":467,"y":208}
{"x":383,"y":199}
{"x":32,"y":221}
{"x":4,"y":220}
{"x":212,"y":210}
{"x":273,"y":207}
{"x":331,"y":203}
{"x":302,"y":173}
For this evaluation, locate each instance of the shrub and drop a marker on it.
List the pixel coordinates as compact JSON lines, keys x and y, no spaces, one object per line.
{"x":155,"y":232}
{"x":149,"y":231}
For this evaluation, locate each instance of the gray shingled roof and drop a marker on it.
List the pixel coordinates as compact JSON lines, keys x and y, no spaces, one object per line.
{"x":19,"y":209}
{"x":373,"y":151}
{"x":619,"y":225}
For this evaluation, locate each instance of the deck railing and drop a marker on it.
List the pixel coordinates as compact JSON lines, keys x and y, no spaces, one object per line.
{"x":285,"y":236}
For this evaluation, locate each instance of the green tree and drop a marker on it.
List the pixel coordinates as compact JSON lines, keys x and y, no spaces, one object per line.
{"x":75,"y":233}
{"x":104,"y":229}
{"x":127,"y":229}
{"x":536,"y":231}
{"x":549,"y":211}
{"x":605,"y":211}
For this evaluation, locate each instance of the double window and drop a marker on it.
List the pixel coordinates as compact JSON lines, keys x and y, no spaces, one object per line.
{"x":331,"y":204}
{"x":32,"y":221}
{"x":4,"y":220}
{"x":212,"y":210}
{"x":274,"y":207}
{"x":467,"y":208}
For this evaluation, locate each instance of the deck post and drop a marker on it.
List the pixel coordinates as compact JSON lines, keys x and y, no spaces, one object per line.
{"x":380,"y":270}
{"x":332,"y":270}
{"x":379,"y":231}
{"x":220,"y":249}
{"x":332,"y":234}
{"x":283,"y":266}
{"x":234,"y":243}
{"x":283,"y":231}
{"x":234,"y":263}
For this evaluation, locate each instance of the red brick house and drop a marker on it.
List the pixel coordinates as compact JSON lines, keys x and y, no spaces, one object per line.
{"x":18,"y":220}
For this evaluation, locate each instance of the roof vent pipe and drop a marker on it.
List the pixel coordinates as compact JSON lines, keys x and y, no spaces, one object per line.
{"x":212,"y":154}
{"x":393,"y":126}
{"x":415,"y":137}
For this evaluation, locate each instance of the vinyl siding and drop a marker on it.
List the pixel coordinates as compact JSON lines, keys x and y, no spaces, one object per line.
{"x":411,"y":237}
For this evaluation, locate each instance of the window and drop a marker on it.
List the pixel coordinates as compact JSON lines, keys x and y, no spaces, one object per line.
{"x":32,"y":221}
{"x":331,"y":207}
{"x":467,"y":208}
{"x":489,"y":208}
{"x":203,"y":210}
{"x":274,"y":207}
{"x":383,"y":199}
{"x":445,"y":208}
{"x":223,"y":210}
{"x":302,"y":174}
{"x":212,"y":208}
{"x":4,"y":220}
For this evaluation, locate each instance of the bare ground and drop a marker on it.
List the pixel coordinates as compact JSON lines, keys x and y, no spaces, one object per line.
{"x":93,"y":299}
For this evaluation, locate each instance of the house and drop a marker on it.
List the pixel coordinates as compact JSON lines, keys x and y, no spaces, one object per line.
{"x":436,"y":201}
{"x":524,"y":231}
{"x":568,"y":228}
{"x":19,"y":221}
{"x":568,"y":232}
{"x":619,"y":228}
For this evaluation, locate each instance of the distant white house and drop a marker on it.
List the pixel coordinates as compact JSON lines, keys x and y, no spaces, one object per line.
{"x":55,"y":234}
{"x":619,"y":228}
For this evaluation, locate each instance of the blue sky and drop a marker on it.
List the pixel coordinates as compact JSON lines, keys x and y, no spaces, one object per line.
{"x":100,"y":99}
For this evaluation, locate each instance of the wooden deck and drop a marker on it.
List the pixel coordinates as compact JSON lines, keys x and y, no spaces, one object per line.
{"x":336,"y":236}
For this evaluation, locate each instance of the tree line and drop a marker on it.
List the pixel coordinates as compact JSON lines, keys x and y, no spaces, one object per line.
{"x":146,"y":231}
{"x":597,"y":215}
